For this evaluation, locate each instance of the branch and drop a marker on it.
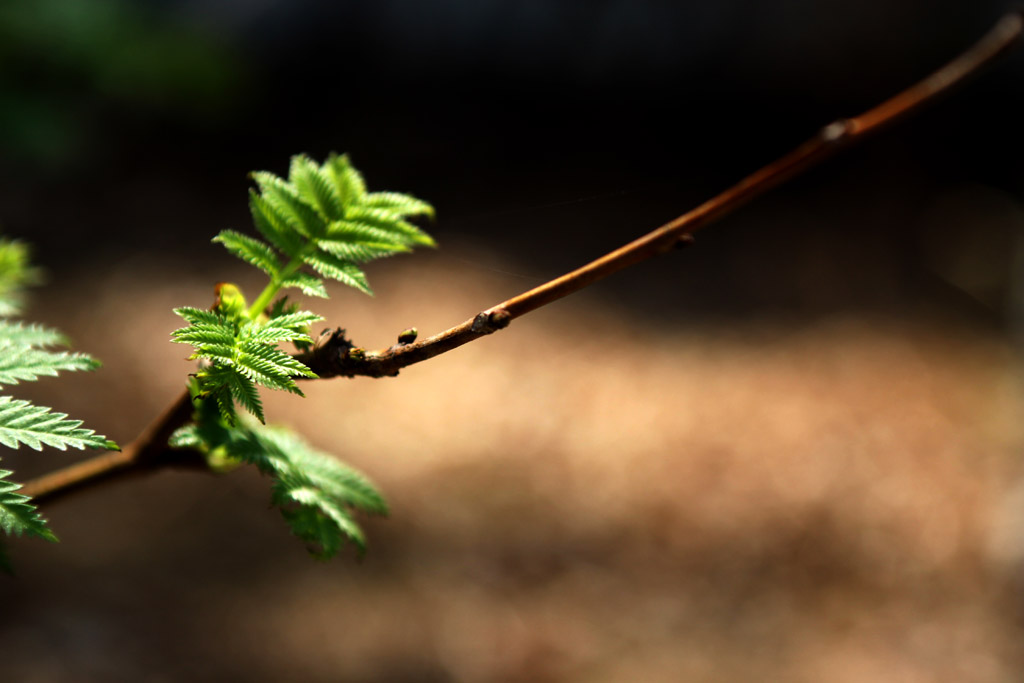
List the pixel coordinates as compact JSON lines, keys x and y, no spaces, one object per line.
{"x":336,"y":356}
{"x":148,"y":452}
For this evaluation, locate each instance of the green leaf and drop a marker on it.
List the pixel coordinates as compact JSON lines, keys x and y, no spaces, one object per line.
{"x":223,"y":353}
{"x":225,"y":385}
{"x":244,"y":354}
{"x":199,"y":316}
{"x":282,"y":361}
{"x":29,"y":335}
{"x":205,"y":335}
{"x":294,"y":320}
{"x":275,"y":335}
{"x":28,"y":364}
{"x":360,"y":242}
{"x":331,"y":266}
{"x":225,"y":402}
{"x":16,"y":273}
{"x":347,"y":180}
{"x":360,"y":252}
{"x":273,"y":227}
{"x":265,"y":366}
{"x":321,"y":218}
{"x":338,"y":480}
{"x":402,"y":205}
{"x":316,"y":493}
{"x":316,"y":187}
{"x":310,"y":285}
{"x":400,"y":230}
{"x":283,"y":199}
{"x":25,"y":356}
{"x":285,"y":328}
{"x":23,"y":359}
{"x":244,"y":391}
{"x":250,"y":250}
{"x":35,"y":426}
{"x":17,"y":515}
{"x":316,"y":519}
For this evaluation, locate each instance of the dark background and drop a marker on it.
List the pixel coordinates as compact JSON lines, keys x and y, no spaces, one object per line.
{"x":858,"y":327}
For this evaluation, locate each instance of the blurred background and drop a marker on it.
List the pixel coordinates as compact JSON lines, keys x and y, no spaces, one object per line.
{"x":790,"y":453}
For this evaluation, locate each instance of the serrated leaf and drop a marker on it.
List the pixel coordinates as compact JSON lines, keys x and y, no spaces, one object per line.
{"x":274,"y":335}
{"x":224,"y":353}
{"x":28,"y":364}
{"x":286,"y":204}
{"x":265,"y":371}
{"x":294,"y":320}
{"x":199,"y":316}
{"x":315,"y":187}
{"x":250,"y":250}
{"x":25,"y":356}
{"x":245,"y":393}
{"x":281,"y":328}
{"x":204,"y":335}
{"x":273,"y":227}
{"x":282,"y":364}
{"x":317,"y":520}
{"x":225,"y":404}
{"x":347,"y":180}
{"x":244,"y":354}
{"x":36,"y":426}
{"x":282,"y":360}
{"x":400,"y":204}
{"x":16,"y":273}
{"x":338,"y":269}
{"x":295,"y":217}
{"x":340,"y":481}
{"x":360,"y":242}
{"x":352,"y":231}
{"x":17,"y":515}
{"x":29,"y":335}
{"x":310,"y":285}
{"x":315,"y":492}
{"x":360,"y":253}
{"x":400,"y":230}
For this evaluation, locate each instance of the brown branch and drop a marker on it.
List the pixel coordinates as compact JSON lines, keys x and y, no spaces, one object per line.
{"x":146,"y":453}
{"x":336,"y":356}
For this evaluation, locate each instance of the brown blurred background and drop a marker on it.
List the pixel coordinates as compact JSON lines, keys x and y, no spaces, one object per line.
{"x":791,"y":453}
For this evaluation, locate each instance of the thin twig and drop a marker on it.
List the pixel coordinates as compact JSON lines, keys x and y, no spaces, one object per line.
{"x":149,"y":451}
{"x":336,"y":356}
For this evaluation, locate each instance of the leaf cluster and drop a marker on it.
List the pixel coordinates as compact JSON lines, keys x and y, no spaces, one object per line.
{"x":319,"y":223}
{"x":27,"y":352}
{"x":242,"y":353}
{"x":315,"y":493}
{"x":323,"y":217}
